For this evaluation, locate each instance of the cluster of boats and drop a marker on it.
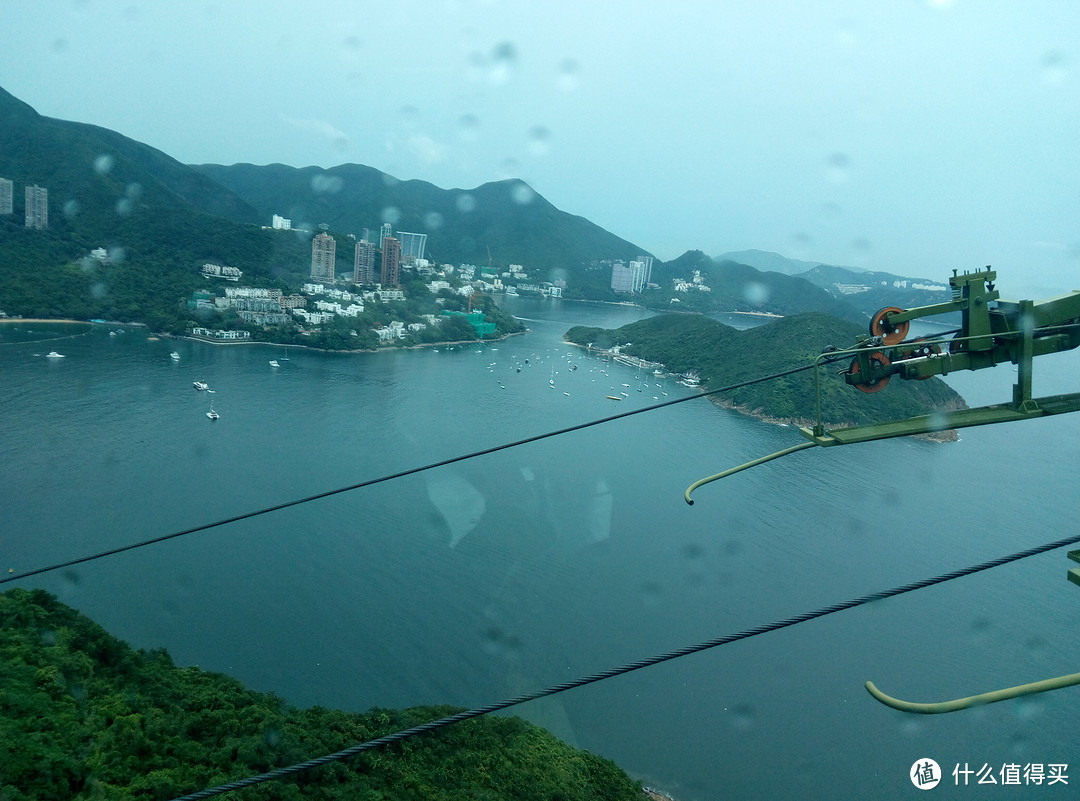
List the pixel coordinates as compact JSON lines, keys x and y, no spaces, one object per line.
{"x":203,"y":386}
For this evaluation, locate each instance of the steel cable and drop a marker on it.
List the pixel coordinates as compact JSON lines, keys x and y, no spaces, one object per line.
{"x":824,"y":611}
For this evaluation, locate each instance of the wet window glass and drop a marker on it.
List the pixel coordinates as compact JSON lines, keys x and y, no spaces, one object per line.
{"x":370,"y":356}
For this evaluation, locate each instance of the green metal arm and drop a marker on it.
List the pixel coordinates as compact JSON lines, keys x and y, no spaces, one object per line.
{"x":732,"y":470}
{"x":957,"y":704}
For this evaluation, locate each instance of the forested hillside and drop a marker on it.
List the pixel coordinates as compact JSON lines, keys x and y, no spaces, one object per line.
{"x":723,"y":356}
{"x":83,"y":716}
{"x":740,"y":287}
{"x":498,"y":223}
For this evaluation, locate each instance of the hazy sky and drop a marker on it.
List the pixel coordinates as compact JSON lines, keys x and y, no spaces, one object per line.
{"x":910,"y":136}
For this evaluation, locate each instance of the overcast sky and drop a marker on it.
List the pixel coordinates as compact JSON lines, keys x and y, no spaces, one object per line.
{"x":912,"y":136}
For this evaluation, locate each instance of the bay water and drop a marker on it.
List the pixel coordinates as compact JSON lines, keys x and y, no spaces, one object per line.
{"x":531,"y":566}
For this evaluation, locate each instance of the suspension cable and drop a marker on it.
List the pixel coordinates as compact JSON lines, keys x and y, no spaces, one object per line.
{"x":776,"y":625}
{"x":393,"y":476}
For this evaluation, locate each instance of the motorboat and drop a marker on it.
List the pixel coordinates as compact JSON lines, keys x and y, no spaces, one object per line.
{"x":52,"y":354}
{"x":174,"y":356}
{"x":274,"y":363}
{"x":200,"y":385}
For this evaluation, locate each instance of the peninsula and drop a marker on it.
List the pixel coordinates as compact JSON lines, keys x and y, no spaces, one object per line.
{"x":715,"y":355}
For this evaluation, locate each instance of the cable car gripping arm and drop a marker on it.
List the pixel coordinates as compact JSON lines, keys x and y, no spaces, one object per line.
{"x":991,"y":332}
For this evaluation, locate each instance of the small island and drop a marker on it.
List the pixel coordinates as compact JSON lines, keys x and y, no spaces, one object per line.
{"x":718,"y":355}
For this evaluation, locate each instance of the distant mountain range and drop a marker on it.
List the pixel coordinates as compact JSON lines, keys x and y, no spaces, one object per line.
{"x":163,"y":219}
{"x":866,"y":289}
{"x":767,"y":261}
{"x":498,"y":223}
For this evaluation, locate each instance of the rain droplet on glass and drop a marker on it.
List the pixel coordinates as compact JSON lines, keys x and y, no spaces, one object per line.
{"x":1054,"y":68}
{"x":326,"y":184}
{"x":502,"y":63}
{"x":510,"y":168}
{"x":539,"y":140}
{"x":468,"y":126}
{"x":522,"y":194}
{"x":568,"y":75}
{"x":755,"y":293}
{"x":836,"y":168}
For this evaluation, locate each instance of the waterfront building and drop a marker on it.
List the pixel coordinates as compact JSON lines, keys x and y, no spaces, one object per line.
{"x":7,"y":195}
{"x":391,"y":262}
{"x":323,"y":252}
{"x":364,"y":262}
{"x":37,"y":207}
{"x":412,"y":246}
{"x":628,"y":278}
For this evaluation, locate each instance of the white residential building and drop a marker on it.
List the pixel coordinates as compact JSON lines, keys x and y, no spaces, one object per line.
{"x":221,"y":271}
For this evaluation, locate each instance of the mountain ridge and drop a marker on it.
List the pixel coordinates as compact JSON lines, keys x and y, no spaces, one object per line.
{"x":499,"y":222}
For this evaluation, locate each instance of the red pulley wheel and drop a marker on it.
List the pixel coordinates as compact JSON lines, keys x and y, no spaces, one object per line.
{"x":876,"y":359}
{"x":880,"y":327}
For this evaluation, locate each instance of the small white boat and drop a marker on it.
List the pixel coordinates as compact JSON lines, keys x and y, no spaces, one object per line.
{"x":52,"y":354}
{"x":174,"y":356}
{"x":274,"y":363}
{"x":200,"y":385}
{"x":212,"y":414}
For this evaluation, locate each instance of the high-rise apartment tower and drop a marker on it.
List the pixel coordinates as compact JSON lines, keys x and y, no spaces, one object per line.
{"x":7,"y":195}
{"x":391,"y":262}
{"x":364,"y":263}
{"x":323,"y":252}
{"x":37,"y":207}
{"x":412,"y":246}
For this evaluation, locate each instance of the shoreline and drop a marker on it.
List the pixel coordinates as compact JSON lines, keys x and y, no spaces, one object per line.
{"x":232,"y":342}
{"x":227,"y":342}
{"x":46,"y":320}
{"x":949,"y":435}
{"x":768,"y":315}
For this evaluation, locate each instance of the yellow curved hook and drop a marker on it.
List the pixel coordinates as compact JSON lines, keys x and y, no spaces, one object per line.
{"x":754,"y":463}
{"x":974,"y":700}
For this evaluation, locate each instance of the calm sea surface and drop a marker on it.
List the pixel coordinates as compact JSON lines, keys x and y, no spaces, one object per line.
{"x":514,"y":571}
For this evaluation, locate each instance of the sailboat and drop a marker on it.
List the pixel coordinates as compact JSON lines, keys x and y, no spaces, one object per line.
{"x":212,"y":414}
